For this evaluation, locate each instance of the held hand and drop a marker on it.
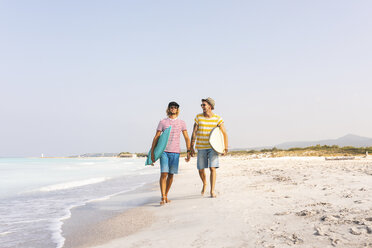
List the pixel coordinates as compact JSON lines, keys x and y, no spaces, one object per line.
{"x":187,"y":159}
{"x":192,"y":153}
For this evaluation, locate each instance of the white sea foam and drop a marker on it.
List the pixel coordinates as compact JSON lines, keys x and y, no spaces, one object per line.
{"x":38,"y":204}
{"x":73,"y":184}
{"x":115,"y":194}
{"x":5,"y":233}
{"x":56,"y":226}
{"x":29,"y":221}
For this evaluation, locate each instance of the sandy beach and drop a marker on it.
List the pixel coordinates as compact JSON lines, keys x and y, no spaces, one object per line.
{"x":270,"y":202}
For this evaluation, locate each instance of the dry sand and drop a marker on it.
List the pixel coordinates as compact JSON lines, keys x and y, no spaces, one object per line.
{"x":281,"y":202}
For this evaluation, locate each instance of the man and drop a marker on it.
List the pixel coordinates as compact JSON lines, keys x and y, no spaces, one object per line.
{"x":207,"y":157}
{"x":170,"y":158}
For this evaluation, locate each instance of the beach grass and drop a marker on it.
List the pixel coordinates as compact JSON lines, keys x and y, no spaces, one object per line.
{"x":317,"y":151}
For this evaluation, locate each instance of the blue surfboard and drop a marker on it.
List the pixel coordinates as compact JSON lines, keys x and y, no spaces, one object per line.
{"x":160,"y":146}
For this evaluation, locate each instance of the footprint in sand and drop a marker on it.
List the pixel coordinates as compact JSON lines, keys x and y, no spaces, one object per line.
{"x":282,"y":213}
{"x":296,"y":239}
{"x":320,"y":232}
{"x":354,"y":231}
{"x":329,"y":218}
{"x":293,"y":239}
{"x":358,"y":222}
{"x":280,"y":178}
{"x":307,"y":213}
{"x":334,"y":241}
{"x":348,"y":196}
{"x":318,"y":204}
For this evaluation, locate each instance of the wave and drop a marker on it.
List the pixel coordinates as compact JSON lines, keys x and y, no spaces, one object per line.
{"x":104,"y":198}
{"x":5,"y":233}
{"x":56,"y":226}
{"x":29,"y":221}
{"x":73,"y":184}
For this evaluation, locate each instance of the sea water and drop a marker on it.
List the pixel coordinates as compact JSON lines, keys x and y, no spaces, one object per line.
{"x":37,"y":194}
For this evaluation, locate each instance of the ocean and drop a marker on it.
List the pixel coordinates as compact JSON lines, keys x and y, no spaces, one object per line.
{"x":37,"y":194}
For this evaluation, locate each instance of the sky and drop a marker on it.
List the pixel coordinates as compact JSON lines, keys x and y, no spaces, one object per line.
{"x":96,"y":76}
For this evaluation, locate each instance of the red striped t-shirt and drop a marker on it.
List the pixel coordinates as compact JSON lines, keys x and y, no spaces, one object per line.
{"x":174,"y":138}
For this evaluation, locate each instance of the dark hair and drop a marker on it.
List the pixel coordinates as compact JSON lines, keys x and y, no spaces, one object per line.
{"x":169,"y":113}
{"x":173,"y":104}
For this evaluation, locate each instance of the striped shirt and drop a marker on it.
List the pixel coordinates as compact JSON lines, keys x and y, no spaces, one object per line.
{"x":205,"y":126}
{"x":174,"y":138}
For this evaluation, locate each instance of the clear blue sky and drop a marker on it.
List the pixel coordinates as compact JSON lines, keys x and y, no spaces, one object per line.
{"x":96,"y":76}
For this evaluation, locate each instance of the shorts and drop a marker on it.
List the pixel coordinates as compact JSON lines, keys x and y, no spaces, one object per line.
{"x":207,"y":158}
{"x":169,"y":162}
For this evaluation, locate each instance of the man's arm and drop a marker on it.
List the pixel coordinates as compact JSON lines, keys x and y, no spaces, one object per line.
{"x":223,"y":130}
{"x":187,"y":140}
{"x":154,"y":143}
{"x":193,"y":139}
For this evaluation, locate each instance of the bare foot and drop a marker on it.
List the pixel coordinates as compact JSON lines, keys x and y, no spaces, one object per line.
{"x":203,"y":189}
{"x":167,"y":200}
{"x":162,"y":201}
{"x":213,"y":195}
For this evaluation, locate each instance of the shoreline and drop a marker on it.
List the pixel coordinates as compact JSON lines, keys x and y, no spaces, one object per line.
{"x":92,"y":218}
{"x":271,"y":202}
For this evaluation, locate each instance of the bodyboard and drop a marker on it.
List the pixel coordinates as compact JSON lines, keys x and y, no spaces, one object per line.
{"x":216,"y":140}
{"x":160,"y":146}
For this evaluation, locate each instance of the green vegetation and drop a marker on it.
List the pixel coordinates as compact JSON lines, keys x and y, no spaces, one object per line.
{"x":317,"y":150}
{"x":130,"y":155}
{"x":125,"y":155}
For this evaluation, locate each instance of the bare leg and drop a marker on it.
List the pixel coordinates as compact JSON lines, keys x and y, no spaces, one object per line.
{"x":213,"y":181}
{"x":163,"y":183}
{"x":169,"y":184}
{"x":204,"y":180}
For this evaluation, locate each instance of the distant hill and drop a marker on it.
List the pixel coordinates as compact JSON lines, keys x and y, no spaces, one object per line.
{"x":347,"y":140}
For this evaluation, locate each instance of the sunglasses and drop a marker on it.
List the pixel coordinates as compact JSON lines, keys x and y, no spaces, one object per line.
{"x":203,"y":105}
{"x":173,"y":107}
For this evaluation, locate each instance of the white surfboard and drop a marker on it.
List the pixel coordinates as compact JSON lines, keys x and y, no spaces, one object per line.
{"x":216,"y":140}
